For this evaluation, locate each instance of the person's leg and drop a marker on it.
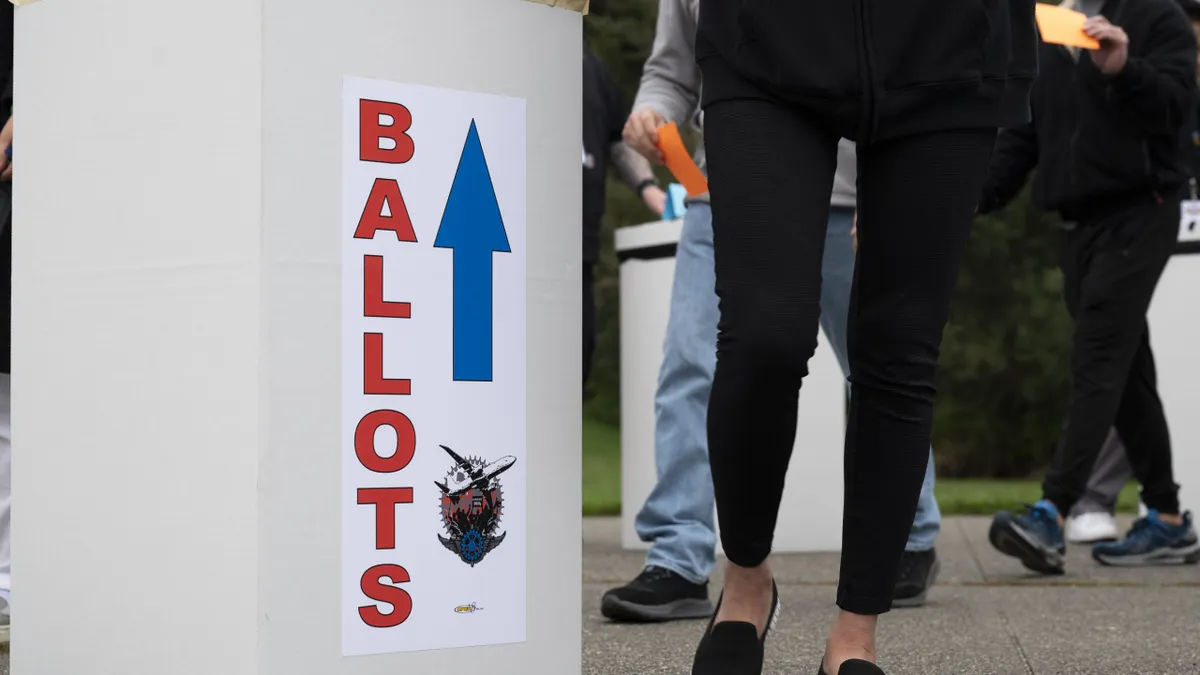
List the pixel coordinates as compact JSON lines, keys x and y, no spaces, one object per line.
{"x":589,"y":320}
{"x":1142,"y":426}
{"x":677,"y":518}
{"x":917,"y":198}
{"x":1110,"y":475}
{"x":1126,"y":259}
{"x":1164,"y":535}
{"x":1092,"y":518}
{"x":770,"y":174}
{"x":928,"y":522}
{"x":1117,"y":265}
{"x":919,"y":567}
{"x":837,"y":279}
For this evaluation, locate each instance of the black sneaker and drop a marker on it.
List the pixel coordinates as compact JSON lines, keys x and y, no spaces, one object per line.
{"x":918,"y":572}
{"x":1034,"y":537}
{"x":657,"y":594}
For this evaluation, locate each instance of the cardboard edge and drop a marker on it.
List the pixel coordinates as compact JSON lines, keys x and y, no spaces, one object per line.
{"x":580,"y":6}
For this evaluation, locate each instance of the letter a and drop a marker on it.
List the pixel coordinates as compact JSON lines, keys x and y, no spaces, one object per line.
{"x":385,"y":192}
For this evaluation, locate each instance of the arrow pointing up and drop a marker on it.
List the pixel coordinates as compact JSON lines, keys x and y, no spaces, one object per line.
{"x":473,"y":228}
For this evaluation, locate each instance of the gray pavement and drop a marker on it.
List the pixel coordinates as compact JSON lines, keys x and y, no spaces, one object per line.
{"x":986,"y":616}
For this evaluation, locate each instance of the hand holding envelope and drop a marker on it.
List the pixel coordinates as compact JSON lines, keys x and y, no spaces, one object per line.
{"x":677,"y":159}
{"x":1061,"y":26}
{"x":1108,"y":43}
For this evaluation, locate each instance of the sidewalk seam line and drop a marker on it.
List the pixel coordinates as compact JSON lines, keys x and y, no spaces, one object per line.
{"x":1016,"y":641}
{"x":971,"y":549}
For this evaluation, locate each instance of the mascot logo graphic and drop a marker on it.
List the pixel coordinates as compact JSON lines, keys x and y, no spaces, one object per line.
{"x":471,"y":505}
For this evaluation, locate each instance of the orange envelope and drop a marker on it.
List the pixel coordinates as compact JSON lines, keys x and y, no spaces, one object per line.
{"x":1061,"y":26}
{"x":678,"y":160}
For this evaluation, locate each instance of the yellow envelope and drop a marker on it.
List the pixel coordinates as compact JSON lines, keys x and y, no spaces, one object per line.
{"x":1062,"y":26}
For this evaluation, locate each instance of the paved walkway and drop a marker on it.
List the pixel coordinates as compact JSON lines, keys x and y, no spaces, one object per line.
{"x":986,"y":616}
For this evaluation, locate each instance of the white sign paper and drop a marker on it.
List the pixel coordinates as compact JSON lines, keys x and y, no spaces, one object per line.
{"x":433,"y":368}
{"x":1189,"y":220}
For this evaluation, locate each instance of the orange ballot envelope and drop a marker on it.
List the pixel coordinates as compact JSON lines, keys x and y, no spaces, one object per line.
{"x":678,"y":160}
{"x":1061,"y":26}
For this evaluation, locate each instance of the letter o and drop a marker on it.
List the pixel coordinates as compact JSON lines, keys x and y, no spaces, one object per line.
{"x":364,"y":441}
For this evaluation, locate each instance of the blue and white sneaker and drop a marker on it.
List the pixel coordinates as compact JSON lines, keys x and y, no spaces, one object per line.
{"x":1152,"y":542}
{"x":1034,"y":537}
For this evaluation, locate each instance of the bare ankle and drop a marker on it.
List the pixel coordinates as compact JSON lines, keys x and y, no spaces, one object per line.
{"x":747,"y":595}
{"x":752,"y":576}
{"x":851,"y":637}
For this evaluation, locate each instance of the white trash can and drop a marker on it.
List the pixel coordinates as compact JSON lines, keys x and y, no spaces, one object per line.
{"x":251,"y":234}
{"x":1175,"y":338}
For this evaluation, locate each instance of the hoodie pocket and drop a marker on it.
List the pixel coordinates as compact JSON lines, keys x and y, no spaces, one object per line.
{"x":1012,"y":45}
{"x":928,"y":42}
{"x":806,"y":47}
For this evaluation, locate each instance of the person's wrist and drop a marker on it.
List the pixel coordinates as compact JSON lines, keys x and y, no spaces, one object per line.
{"x":645,"y":185}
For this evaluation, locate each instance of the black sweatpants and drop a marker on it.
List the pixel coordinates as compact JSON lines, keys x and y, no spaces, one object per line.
{"x":771,"y":173}
{"x":1111,"y":266}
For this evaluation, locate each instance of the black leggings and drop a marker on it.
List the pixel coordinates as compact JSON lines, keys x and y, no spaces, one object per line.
{"x":771,"y":173}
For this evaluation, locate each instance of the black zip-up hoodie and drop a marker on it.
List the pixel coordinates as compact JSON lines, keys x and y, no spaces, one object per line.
{"x":875,"y":68}
{"x":1099,"y":140}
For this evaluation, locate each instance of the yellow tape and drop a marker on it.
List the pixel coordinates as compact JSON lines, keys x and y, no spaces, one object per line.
{"x":580,"y":6}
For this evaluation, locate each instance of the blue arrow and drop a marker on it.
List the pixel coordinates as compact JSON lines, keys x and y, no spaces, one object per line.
{"x":473,"y":228}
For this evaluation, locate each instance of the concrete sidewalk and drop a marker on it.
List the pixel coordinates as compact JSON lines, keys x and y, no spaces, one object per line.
{"x":986,"y":616}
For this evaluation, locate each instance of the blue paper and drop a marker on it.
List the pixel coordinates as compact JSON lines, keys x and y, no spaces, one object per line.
{"x":676,"y":194}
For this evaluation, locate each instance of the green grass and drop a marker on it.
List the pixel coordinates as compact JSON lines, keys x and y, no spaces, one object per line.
{"x":601,"y":468}
{"x":982,"y":496}
{"x":956,"y":496}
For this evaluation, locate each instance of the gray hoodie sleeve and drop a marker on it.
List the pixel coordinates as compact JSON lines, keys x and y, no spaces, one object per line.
{"x":845,"y":188}
{"x":671,"y":78}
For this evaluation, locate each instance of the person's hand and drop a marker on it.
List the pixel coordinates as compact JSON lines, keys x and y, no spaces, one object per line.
{"x":655,"y":200}
{"x":6,"y":138}
{"x":1114,"y":45}
{"x":641,"y":133}
{"x":854,"y":231}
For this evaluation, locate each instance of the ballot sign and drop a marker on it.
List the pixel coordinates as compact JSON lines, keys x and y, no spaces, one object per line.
{"x":433,"y":368}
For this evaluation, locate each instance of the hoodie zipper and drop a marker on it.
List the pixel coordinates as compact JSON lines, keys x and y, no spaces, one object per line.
{"x":870,"y":112}
{"x":1072,"y":68}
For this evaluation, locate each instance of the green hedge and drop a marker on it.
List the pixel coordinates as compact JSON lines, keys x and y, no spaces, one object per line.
{"x":1003,"y":380}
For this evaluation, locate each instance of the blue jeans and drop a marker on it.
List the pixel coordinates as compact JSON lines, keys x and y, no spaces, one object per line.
{"x":677,"y":518}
